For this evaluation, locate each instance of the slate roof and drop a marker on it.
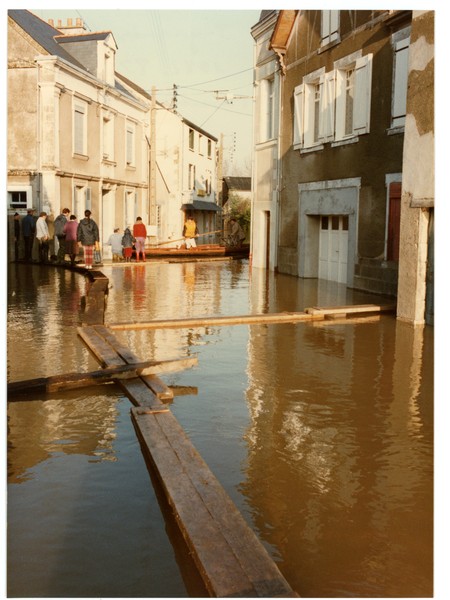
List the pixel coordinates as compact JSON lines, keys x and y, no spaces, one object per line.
{"x":51,"y":40}
{"x":43,"y":33}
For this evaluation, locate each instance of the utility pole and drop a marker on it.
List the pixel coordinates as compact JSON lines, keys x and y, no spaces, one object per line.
{"x":152,"y":191}
{"x":220,"y":170}
{"x":220,"y":223}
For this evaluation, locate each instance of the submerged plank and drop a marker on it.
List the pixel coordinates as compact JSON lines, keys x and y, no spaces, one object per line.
{"x":286,"y":317}
{"x":231,"y":559}
{"x":355,"y":309}
{"x":157,"y":386}
{"x":70,"y":381}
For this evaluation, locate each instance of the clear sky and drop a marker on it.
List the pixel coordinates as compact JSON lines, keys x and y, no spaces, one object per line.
{"x":208,"y":54}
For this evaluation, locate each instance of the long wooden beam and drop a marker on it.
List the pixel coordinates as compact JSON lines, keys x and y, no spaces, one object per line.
{"x":69,"y":381}
{"x":351,"y":310}
{"x":230,"y":558}
{"x":311,"y":314}
{"x":286,"y":317}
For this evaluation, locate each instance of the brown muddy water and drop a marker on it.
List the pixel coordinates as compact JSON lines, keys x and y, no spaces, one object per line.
{"x":322,"y":434}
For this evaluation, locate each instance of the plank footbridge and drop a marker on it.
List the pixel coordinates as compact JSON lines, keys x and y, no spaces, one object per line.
{"x":231,"y":559}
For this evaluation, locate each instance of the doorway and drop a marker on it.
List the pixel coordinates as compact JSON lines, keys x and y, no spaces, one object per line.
{"x":333,"y":248}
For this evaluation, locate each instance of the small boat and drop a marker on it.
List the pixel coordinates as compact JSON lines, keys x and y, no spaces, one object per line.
{"x":201,"y":251}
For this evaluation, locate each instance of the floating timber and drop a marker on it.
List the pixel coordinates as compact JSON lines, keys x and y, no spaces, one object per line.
{"x":70,"y":381}
{"x":229,"y":556}
{"x":231,"y":559}
{"x":285,"y":317}
{"x":311,"y":314}
{"x":351,"y":310}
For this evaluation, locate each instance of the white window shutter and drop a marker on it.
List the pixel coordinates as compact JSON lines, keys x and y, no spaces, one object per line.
{"x":298,"y":114}
{"x":327,"y":97}
{"x":363,"y":89}
{"x":400,"y":82}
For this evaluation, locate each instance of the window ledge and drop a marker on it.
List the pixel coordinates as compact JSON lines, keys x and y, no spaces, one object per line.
{"x":353,"y":140}
{"x":329,"y":45}
{"x":312,"y":149}
{"x":395,"y":130}
{"x":80,"y":156}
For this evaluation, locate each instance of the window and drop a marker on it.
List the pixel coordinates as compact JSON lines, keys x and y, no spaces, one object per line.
{"x":314,"y":109}
{"x":130,"y":144}
{"x":333,"y":106}
{"x":267,"y":129}
{"x":353,"y":96}
{"x":209,"y":149}
{"x":81,"y":200}
{"x":349,"y":99}
{"x":17,"y":199}
{"x":80,"y":127}
{"x":330,"y":26}
{"x":401,"y":51}
{"x":191,"y":139}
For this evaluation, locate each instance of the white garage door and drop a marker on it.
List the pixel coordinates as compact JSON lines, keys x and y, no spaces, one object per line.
{"x":333,"y":248}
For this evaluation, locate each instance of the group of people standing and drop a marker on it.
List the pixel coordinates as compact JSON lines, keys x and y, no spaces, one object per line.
{"x":70,"y":234}
{"x":122,"y":244}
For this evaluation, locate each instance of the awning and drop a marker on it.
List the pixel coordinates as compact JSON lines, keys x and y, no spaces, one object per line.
{"x":199,"y":205}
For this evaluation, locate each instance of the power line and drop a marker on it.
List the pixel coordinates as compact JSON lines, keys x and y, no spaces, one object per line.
{"x":234,"y":112}
{"x":217,"y":79}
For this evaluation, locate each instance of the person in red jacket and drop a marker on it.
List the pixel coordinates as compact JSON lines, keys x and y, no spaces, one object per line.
{"x":140,"y":234}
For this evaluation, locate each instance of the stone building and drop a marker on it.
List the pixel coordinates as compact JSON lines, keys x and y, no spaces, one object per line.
{"x":76,"y":136}
{"x":331,"y":110}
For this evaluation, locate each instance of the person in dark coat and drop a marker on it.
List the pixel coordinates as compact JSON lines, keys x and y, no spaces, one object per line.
{"x":28,"y":232}
{"x":88,"y":236}
{"x":127,"y":243}
{"x":58,"y":224}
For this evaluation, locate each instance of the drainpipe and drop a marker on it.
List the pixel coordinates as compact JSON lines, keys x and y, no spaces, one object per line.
{"x":253,"y":187}
{"x":279,"y":168}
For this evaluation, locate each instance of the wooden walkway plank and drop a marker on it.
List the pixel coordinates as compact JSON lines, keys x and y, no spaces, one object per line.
{"x":103,"y":352}
{"x":158,"y":387}
{"x":230,"y":557}
{"x":354,"y":309}
{"x":287,"y":317}
{"x":311,"y":314}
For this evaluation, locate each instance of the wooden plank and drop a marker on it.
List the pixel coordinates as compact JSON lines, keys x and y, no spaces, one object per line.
{"x":157,"y":386}
{"x":355,"y":309}
{"x":286,"y":317}
{"x":103,"y":352}
{"x":231,"y":559}
{"x":72,"y":381}
{"x":184,"y":390}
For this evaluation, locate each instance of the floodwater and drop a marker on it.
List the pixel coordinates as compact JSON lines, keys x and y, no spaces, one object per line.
{"x":321,"y":433}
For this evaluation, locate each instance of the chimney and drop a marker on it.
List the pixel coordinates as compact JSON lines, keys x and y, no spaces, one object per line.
{"x":73,"y":27}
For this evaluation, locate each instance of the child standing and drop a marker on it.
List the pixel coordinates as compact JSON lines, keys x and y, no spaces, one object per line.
{"x":127,"y":243}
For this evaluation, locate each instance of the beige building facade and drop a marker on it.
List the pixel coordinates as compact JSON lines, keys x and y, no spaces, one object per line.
{"x":77,"y":138}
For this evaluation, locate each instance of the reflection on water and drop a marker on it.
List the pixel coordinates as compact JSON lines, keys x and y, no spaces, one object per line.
{"x":322,"y":434}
